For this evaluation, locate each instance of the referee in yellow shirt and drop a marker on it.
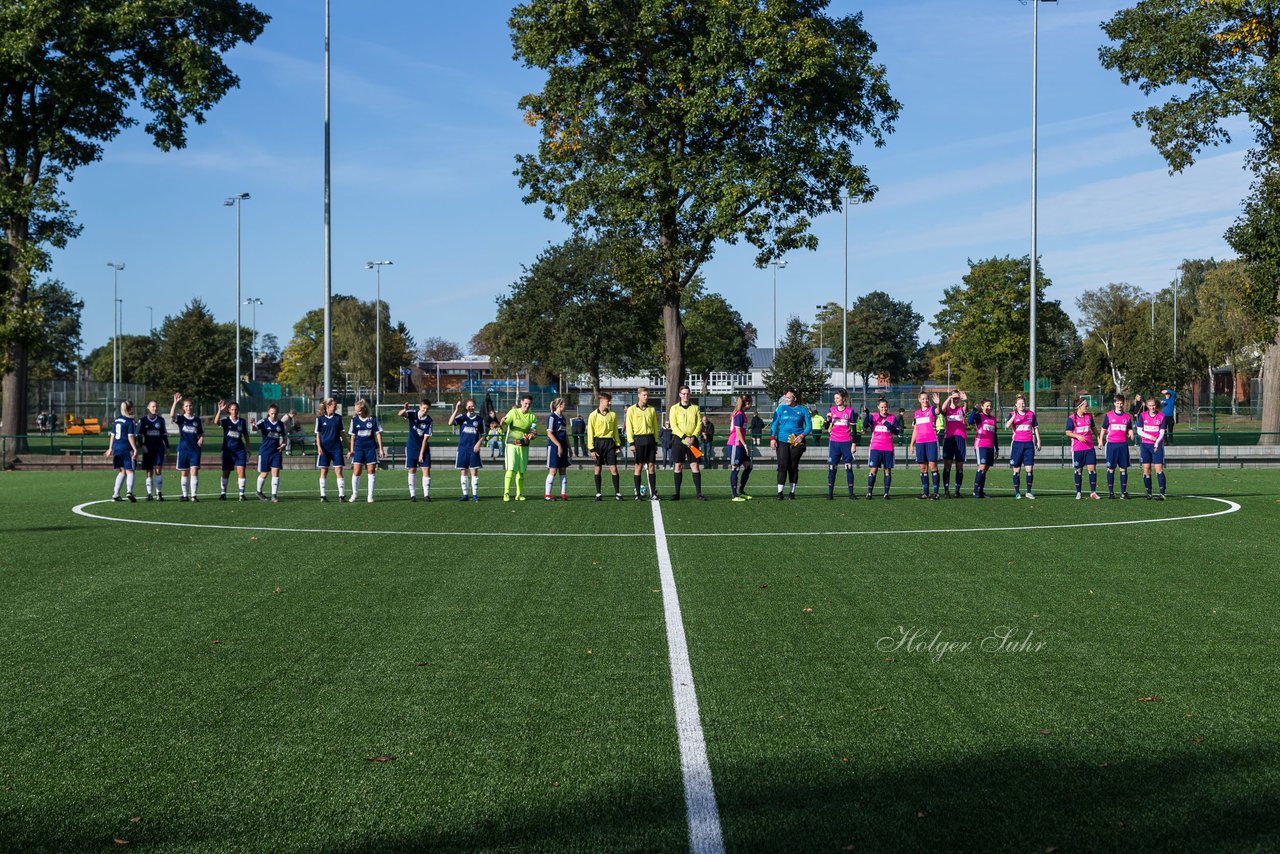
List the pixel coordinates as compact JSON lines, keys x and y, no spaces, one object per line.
{"x":642,"y":435}
{"x":686,"y":421}
{"x":603,"y":439}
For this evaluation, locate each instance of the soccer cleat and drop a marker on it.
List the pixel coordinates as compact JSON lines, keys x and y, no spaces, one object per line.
{"x":473,"y":498}
{"x":324,"y":499}
{"x":653,"y":496}
{"x":463,"y":498}
{"x":1093,"y":496}
{"x":565,"y":497}
{"x":639,"y":497}
{"x":519,"y":498}
{"x":506,"y":496}
{"x":368,"y":500}
{"x":1160,"y":497}
{"x":426,"y":499}
{"x":150,"y":497}
{"x":853,"y":496}
{"x":242,"y":496}
{"x":118,"y":498}
{"x":413,"y":499}
{"x":870,"y":496}
{"x":599,"y":497}
{"x":222,"y":496}
{"x":1111,"y":496}
{"x":738,"y":498}
{"x":194,"y":499}
{"x":675,"y":497}
{"x":1017,"y":496}
{"x":790,"y":495}
{"x":262,"y":496}
{"x":352,"y":500}
{"x":832,"y":497}
{"x":781,"y":497}
{"x":935,"y":496}
{"x":975,"y":494}
{"x":887,"y":496}
{"x":702,"y":497}
{"x":1079,"y":496}
{"x":132,"y":500}
{"x":617,"y":496}
{"x":1031,"y":495}
{"x":745,"y":495}
{"x":275,"y":500}
{"x":547,"y":497}
{"x":159,"y":496}
{"x":1124,"y":496}
{"x":184,"y":498}
{"x":924,"y":496}
{"x":1148,"y":496}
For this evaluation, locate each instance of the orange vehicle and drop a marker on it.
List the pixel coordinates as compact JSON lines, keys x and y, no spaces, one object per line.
{"x":82,"y":426}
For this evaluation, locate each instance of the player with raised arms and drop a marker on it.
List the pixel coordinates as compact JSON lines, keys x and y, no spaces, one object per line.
{"x":740,"y":464}
{"x":329,"y":452}
{"x":155,"y":441}
{"x":417,"y":450}
{"x":1117,"y":432}
{"x":557,"y":451}
{"x":955,"y":440}
{"x":271,"y":451}
{"x":1081,"y":429}
{"x":1025,"y":444}
{"x":366,"y":448}
{"x":521,"y":424}
{"x":883,"y":426}
{"x":602,"y":441}
{"x":123,"y":450}
{"x":984,"y":423}
{"x":470,"y":426}
{"x":642,"y":433}
{"x":190,"y":443}
{"x":924,"y":442}
{"x":788,"y":430}
{"x":1151,"y":430}
{"x":235,"y":448}
{"x":686,"y":421}
{"x":841,"y":440}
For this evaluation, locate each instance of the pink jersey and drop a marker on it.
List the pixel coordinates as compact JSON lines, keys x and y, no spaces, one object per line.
{"x":1149,"y":427}
{"x":1117,"y":425}
{"x":955,"y":425}
{"x":882,"y":430}
{"x":1081,"y":424}
{"x":737,"y":423}
{"x":1024,"y":426}
{"x":840,"y":421}
{"x":986,"y":425}
{"x":926,"y":431}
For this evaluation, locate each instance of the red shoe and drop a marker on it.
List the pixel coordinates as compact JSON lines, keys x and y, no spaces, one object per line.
{"x":564,"y":497}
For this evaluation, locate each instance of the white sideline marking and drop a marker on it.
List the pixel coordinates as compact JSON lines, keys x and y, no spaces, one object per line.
{"x":699,"y":792}
{"x":80,"y":510}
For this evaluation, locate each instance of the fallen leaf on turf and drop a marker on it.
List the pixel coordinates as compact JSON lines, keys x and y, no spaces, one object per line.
{"x":1197,"y":739}
{"x":555,"y":784}
{"x":850,"y":847}
{"x":879,"y":709}
{"x":420,"y":664}
{"x":1104,"y":764}
{"x":588,"y":652}
{"x":136,"y":819}
{"x":1148,"y":699}
{"x":891,"y":660}
{"x":118,"y":841}
{"x":383,"y":758}
{"x":920,"y":813}
{"x":655,"y":590}
{"x":808,"y":610}
{"x":1044,"y":732}
{"x":1124,"y":824}
{"x":277,"y":590}
{"x":763,"y":586}
{"x":253,"y":539}
{"x":1051,"y":850}
{"x":217,"y":642}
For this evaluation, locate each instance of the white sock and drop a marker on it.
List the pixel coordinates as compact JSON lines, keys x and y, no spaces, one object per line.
{"x":413,"y":484}
{"x":551,"y":479}
{"x":355,"y":484}
{"x":224,"y":484}
{"x":240,"y":483}
{"x":275,"y":484}
{"x":426,"y":485}
{"x":342,"y":487}
{"x":261,"y":480}
{"x":464,"y":484}
{"x":119,"y":480}
{"x":372,"y":478}
{"x":159,"y":483}
{"x":324,"y":486}
{"x":183,"y":479}
{"x":148,"y":483}
{"x":475,"y":484}
{"x":128,"y":482}
{"x":195,"y":480}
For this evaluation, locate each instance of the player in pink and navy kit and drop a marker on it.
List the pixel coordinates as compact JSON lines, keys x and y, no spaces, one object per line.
{"x":1151,"y":431}
{"x":924,"y":439}
{"x":883,"y":427}
{"x":1117,"y":431}
{"x":1025,"y":443}
{"x":955,"y":439}
{"x":984,"y":423}
{"x":841,"y":442}
{"x":1081,"y":430}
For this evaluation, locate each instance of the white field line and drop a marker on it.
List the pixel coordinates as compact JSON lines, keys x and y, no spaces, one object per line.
{"x":699,"y":792}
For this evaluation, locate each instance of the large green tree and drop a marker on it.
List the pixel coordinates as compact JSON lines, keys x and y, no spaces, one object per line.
{"x":1113,"y":320}
{"x":882,"y":337}
{"x":73,"y":75}
{"x":794,"y":366}
{"x":1224,"y":327}
{"x":717,"y":338}
{"x":1219,"y":60}
{"x":354,"y":345}
{"x":55,"y":353}
{"x":197,"y":356}
{"x":139,"y":361}
{"x":684,"y":123}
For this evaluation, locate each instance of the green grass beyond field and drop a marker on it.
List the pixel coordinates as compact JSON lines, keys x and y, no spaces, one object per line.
{"x":308,"y":677}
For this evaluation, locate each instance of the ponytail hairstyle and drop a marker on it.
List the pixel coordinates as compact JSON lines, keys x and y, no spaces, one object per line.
{"x":744,"y":400}
{"x":126,"y":408}
{"x":362,"y":407}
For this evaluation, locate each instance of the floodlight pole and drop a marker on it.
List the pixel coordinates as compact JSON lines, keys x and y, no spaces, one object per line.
{"x":237,"y":201}
{"x":1035,"y":86}
{"x":776,"y":265}
{"x":377,"y":358}
{"x":253,"y":339}
{"x":328,"y":245}
{"x":844,"y":323}
{"x":116,"y":267}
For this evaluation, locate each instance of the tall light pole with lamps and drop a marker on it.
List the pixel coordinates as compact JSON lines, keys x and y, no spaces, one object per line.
{"x":822,"y":363}
{"x":377,"y":358}
{"x":236,"y":202}
{"x":253,"y":338}
{"x":1035,"y":88}
{"x":116,"y":267}
{"x":151,"y":320}
{"x":776,"y":265}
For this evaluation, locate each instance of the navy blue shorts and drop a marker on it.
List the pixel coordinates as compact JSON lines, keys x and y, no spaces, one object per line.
{"x":839,"y":452}
{"x":152,"y":458}
{"x":411,"y":457}
{"x":188,"y":459}
{"x":1151,"y":455}
{"x":329,"y":456}
{"x":1087,"y":457}
{"x":926,"y":452}
{"x":232,"y":459}
{"x":364,"y":456}
{"x":273,"y":460}
{"x":739,"y":455}
{"x":879,"y":459}
{"x":1022,"y":454}
{"x":122,"y":461}
{"x":986,"y":456}
{"x":955,"y":448}
{"x":556,"y":459}
{"x":467,"y":457}
{"x":1117,"y":455}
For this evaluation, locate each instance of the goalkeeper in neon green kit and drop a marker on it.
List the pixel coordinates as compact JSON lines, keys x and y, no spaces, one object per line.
{"x":521,"y":426}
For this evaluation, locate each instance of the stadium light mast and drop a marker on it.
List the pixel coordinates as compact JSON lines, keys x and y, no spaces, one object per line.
{"x":1035,"y":87}
{"x":377,"y":323}
{"x":822,"y":363}
{"x":253,"y":339}
{"x":236,"y":202}
{"x":328,"y":243}
{"x":844,"y":322}
{"x":116,"y":267}
{"x":776,"y":265}
{"x":151,"y":320}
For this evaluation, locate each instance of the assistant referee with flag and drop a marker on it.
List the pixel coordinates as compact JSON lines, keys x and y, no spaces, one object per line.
{"x":686,"y":421}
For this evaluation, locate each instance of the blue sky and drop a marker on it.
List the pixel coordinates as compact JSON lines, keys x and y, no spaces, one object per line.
{"x":425,"y":129}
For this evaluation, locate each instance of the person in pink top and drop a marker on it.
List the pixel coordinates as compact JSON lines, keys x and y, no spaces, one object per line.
{"x":924,"y":442}
{"x":883,"y":427}
{"x":1081,"y":429}
{"x":955,"y":440}
{"x":1151,"y":431}
{"x":1116,"y":433}
{"x":739,"y":453}
{"x":984,"y":444}
{"x":840,"y":417}
{"x":1024,"y":444}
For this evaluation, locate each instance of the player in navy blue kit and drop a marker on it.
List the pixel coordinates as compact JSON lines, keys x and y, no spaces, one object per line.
{"x":190,"y":442}
{"x":329,"y":447}
{"x":557,"y":451}
{"x":123,"y":449}
{"x":235,"y":445}
{"x":155,"y":441}
{"x":271,"y":451}
{"x":417,"y":451}
{"x":366,"y":447}
{"x":470,"y":435}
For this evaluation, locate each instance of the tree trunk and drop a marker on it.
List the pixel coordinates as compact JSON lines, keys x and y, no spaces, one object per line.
{"x":1270,"y":392}
{"x":673,"y":334}
{"x":13,"y":414}
{"x":595,"y":382}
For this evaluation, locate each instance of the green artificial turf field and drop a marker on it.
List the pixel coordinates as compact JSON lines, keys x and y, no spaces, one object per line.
{"x":471,"y":676}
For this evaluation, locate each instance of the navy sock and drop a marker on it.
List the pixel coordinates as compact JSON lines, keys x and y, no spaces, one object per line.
{"x":1146,"y":482}
{"x":935,"y":481}
{"x":1079,"y":479}
{"x":1029,"y":479}
{"x":871,"y":482}
{"x":1017,"y":481}
{"x":1160,"y":480}
{"x":1111,"y":481}
{"x":924,"y":482}
{"x":733,"y":482}
{"x":831,"y":477}
{"x":888,"y":479}
{"x":1124,"y":481}
{"x":1093,"y":481}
